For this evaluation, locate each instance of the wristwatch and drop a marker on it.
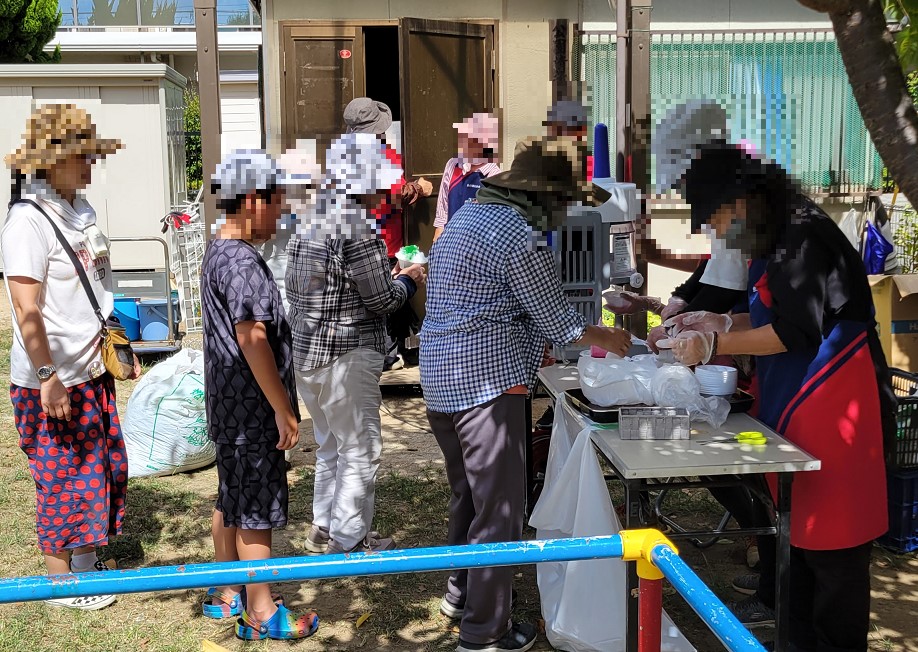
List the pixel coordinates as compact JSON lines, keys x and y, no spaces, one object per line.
{"x":45,"y":372}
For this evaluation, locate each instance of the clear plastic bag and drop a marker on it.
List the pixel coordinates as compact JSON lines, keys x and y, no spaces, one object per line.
{"x":676,"y":386}
{"x":616,"y":381}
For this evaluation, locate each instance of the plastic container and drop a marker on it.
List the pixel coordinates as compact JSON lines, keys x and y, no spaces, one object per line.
{"x":716,"y":380}
{"x":128,"y":313}
{"x":654,"y":423}
{"x":902,"y":490}
{"x":902,"y":454}
{"x":154,"y":319}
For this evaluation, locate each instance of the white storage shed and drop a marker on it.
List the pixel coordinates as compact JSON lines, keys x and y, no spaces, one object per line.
{"x":140,"y":104}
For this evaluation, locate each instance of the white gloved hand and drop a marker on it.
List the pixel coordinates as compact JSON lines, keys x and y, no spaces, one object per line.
{"x":674,"y":306}
{"x":690,"y":347}
{"x":706,"y":322}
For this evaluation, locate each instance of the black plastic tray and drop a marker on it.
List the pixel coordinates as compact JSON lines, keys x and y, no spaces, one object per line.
{"x":740,"y":402}
{"x":597,"y":413}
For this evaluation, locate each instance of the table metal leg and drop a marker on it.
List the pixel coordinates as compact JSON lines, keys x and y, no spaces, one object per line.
{"x":782,"y":576}
{"x":530,"y":480}
{"x":633,"y":492}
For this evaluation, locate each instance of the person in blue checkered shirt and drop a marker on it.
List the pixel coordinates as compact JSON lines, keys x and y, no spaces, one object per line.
{"x":494,"y":300}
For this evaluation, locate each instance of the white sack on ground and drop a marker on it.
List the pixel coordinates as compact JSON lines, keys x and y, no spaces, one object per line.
{"x":165,"y":426}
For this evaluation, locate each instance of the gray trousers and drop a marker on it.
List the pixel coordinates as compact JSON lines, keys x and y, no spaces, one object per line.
{"x":485,"y":466}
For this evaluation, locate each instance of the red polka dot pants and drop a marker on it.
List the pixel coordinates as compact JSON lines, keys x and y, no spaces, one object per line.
{"x":79,"y":467}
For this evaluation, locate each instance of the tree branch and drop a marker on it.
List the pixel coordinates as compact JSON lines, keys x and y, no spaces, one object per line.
{"x":869,"y":53}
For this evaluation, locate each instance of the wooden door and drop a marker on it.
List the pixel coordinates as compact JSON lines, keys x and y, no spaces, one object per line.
{"x":323,"y":71}
{"x":447,"y":74}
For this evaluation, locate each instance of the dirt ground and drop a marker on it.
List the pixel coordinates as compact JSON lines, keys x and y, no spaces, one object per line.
{"x":168,"y":522}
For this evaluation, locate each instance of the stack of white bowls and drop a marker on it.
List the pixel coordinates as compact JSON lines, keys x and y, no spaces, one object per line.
{"x":716,"y":380}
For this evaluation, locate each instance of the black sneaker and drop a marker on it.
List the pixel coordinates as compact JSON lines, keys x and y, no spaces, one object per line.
{"x":521,"y":637}
{"x":753,"y":613}
{"x":746,"y":584}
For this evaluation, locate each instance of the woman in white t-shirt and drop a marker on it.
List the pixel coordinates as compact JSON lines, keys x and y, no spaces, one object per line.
{"x":63,"y":398}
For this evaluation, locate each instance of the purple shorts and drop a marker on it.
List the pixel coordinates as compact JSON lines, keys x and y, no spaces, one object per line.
{"x":79,"y":467}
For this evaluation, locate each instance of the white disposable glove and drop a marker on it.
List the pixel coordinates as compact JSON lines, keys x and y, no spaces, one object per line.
{"x":690,"y":347}
{"x":674,"y":306}
{"x":706,"y":322}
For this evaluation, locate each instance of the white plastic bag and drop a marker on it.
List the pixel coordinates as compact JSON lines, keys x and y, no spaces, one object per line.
{"x":676,"y":386}
{"x":165,"y":427}
{"x":583,"y":602}
{"x":616,"y":381}
{"x":852,"y":226}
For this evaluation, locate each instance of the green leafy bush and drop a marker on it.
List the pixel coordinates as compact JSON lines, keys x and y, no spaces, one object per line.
{"x":906,"y":240}
{"x":194,"y":165}
{"x":26,"y":26}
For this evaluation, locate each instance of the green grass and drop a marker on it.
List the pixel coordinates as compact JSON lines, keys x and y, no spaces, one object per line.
{"x":168,"y":522}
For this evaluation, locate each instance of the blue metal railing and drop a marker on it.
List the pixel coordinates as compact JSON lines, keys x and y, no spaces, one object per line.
{"x":702,"y":600}
{"x":418,"y":560}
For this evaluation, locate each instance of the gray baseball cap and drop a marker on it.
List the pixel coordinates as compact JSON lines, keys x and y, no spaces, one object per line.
{"x":244,"y":171}
{"x":569,"y":113}
{"x":365,"y":116}
{"x":680,"y":134}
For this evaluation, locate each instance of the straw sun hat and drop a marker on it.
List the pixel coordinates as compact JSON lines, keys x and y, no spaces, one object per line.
{"x":55,"y":132}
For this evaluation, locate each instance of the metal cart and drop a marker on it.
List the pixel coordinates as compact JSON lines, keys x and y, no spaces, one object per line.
{"x":147,"y":288}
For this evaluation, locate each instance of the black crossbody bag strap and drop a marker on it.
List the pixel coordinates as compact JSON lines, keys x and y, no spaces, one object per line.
{"x":73,"y":258}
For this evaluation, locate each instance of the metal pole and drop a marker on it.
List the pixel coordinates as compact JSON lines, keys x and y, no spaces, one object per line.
{"x":205,"y":18}
{"x":712,"y":611}
{"x":782,"y":562}
{"x":299,"y":569}
{"x":639,"y":135}
{"x":622,"y":90}
{"x":650,"y":612}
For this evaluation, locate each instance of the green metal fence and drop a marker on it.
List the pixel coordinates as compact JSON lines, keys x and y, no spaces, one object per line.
{"x":784,"y":91}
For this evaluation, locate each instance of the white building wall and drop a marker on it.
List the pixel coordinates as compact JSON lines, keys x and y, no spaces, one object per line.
{"x":240,"y":116}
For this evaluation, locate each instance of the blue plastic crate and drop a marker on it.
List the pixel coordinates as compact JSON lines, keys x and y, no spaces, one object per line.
{"x":902,"y":493}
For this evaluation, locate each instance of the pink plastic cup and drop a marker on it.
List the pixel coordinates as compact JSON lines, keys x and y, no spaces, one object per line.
{"x":597,"y":352}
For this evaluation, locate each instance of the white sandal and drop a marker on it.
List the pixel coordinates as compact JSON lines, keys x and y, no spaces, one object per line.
{"x":88,"y":603}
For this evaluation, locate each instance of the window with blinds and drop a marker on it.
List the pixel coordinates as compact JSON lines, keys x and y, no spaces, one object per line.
{"x":786,"y":92}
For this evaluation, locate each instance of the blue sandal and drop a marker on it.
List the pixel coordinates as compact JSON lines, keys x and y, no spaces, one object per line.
{"x":219,"y":604}
{"x":283,"y":625}
{"x":229,"y":607}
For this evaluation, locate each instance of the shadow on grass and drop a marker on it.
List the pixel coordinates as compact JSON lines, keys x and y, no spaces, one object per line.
{"x":413,"y":510}
{"x":159,"y":515}
{"x":168,"y":524}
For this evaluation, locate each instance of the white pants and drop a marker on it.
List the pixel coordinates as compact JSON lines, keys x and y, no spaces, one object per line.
{"x":343,"y":399}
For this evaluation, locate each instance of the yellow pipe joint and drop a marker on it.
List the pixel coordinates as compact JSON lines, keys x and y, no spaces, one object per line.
{"x":636,"y":546}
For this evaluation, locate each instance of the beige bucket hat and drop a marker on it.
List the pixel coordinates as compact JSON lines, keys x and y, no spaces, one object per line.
{"x":55,"y":132}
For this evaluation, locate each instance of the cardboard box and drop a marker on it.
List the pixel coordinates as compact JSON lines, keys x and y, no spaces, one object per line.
{"x":895,"y":298}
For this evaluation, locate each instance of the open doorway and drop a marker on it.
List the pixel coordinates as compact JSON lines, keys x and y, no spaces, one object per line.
{"x":383,"y":67}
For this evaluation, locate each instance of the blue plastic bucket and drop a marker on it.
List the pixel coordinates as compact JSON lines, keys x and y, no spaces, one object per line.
{"x":128,"y":313}
{"x":154,"y":319}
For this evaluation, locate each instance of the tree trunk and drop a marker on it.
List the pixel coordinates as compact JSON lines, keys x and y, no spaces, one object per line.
{"x":869,"y":52}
